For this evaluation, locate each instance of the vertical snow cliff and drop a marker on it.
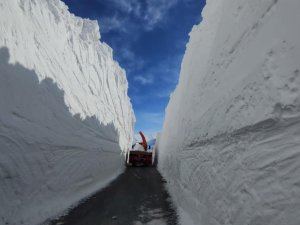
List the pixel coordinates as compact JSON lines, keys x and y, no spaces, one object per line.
{"x":65,"y":116}
{"x":230,"y":145}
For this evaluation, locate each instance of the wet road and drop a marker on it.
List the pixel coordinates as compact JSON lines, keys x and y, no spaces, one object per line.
{"x":138,"y":196}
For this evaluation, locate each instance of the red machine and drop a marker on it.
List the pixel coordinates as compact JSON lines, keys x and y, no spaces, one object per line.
{"x":138,"y":155}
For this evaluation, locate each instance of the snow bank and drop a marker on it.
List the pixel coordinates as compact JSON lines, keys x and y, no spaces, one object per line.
{"x":230,"y":145}
{"x":65,"y":115}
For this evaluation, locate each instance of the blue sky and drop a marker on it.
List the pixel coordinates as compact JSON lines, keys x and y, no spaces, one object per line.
{"x":148,"y":38}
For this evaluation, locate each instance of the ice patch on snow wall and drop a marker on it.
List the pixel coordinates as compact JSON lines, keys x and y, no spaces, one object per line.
{"x":65,"y":116}
{"x":230,"y":141}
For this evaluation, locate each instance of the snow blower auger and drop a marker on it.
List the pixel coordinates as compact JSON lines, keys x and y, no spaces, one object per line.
{"x":139,"y":154}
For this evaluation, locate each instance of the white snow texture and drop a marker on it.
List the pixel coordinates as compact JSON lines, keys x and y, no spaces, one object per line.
{"x":65,"y":116}
{"x":230,"y":144}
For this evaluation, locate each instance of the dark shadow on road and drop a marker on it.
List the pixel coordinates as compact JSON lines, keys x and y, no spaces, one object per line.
{"x":138,"y":196}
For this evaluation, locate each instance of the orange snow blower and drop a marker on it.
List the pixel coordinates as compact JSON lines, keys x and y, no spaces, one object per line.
{"x":139,"y":154}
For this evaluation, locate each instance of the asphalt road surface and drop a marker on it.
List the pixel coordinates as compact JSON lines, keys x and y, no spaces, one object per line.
{"x":136,"y":197}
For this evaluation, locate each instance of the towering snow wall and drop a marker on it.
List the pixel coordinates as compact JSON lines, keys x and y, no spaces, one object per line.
{"x":65,"y":116}
{"x":230,"y":144}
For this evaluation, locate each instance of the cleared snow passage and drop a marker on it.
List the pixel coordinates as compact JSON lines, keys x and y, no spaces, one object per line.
{"x":137,"y":197}
{"x":249,"y":176}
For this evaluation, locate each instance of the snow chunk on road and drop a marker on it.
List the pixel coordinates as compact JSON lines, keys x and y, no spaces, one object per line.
{"x":65,"y":116}
{"x":230,"y":141}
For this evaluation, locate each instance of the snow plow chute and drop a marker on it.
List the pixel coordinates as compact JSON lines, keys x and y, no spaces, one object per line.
{"x":144,"y":142}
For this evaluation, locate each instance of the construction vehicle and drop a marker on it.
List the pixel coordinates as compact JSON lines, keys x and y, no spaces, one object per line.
{"x":140,"y":155}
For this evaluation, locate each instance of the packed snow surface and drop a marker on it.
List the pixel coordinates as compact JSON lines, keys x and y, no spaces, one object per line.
{"x":65,"y":116}
{"x":230,"y":144}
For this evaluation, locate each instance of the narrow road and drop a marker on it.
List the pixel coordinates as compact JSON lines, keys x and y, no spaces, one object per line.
{"x":138,"y":196}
